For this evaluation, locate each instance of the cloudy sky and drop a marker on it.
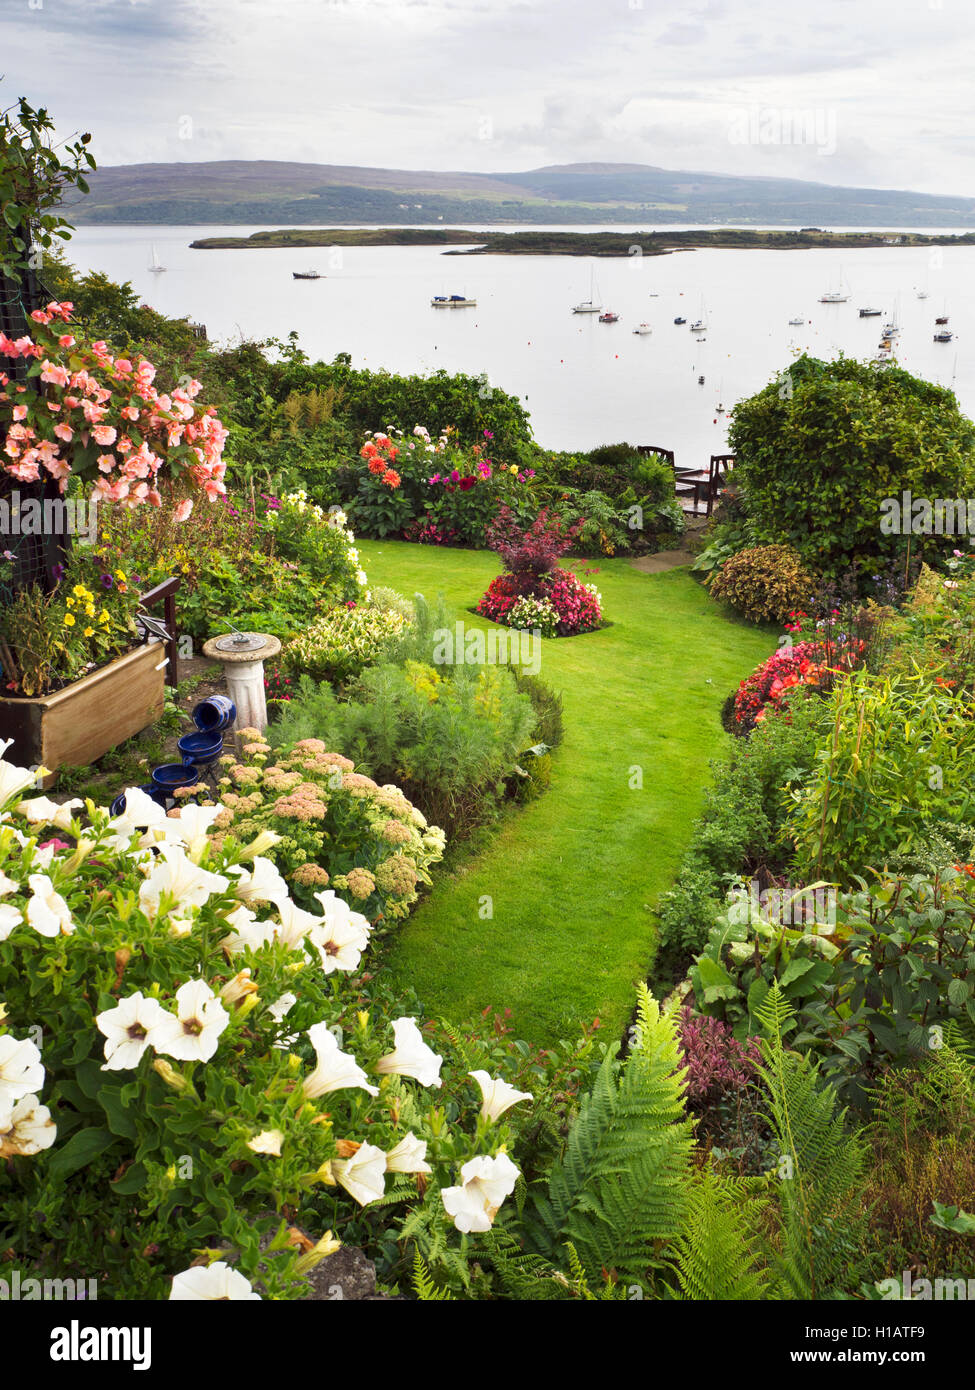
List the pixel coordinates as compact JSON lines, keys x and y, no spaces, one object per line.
{"x":872,"y":92}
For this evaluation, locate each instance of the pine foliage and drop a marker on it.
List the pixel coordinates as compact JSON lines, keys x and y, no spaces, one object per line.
{"x":619,"y":1188}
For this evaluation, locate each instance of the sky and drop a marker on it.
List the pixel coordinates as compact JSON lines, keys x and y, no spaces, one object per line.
{"x":857,"y":92}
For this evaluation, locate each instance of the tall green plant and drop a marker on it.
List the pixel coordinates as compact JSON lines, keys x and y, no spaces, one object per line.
{"x":821,"y":1168}
{"x":622,"y":1184}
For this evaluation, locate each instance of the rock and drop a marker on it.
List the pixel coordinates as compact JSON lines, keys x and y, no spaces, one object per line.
{"x":345,"y":1275}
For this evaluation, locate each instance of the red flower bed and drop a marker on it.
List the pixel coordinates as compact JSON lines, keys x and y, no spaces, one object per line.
{"x":805,"y":663}
{"x":502,"y":594}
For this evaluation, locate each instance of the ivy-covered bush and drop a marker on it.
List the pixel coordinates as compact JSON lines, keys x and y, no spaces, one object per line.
{"x":765,"y":583}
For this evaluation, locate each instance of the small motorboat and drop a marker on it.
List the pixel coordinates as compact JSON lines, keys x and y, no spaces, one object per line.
{"x":608,"y":317}
{"x":797,"y":323}
{"x":679,"y":320}
{"x":306,"y":275}
{"x":698,"y":326}
{"x":643,"y":329}
{"x":871,"y":313}
{"x":945,"y":336}
{"x":720,"y":409}
{"x":943,"y":319}
{"x":452,"y":301}
{"x":922,"y":294}
{"x":700,"y":381}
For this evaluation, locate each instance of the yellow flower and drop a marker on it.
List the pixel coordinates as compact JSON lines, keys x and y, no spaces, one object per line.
{"x":186,"y":569}
{"x":121,"y":576}
{"x":89,"y":631}
{"x":69,"y":620}
{"x":103,"y":616}
{"x":79,"y":591}
{"x":513,"y":468}
{"x":70,"y":601}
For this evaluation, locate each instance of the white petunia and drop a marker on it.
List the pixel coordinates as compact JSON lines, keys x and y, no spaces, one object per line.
{"x":484,"y":1184}
{"x":261,"y":884}
{"x":497,"y":1095}
{"x":21,"y":1070}
{"x":13,"y":780}
{"x":140,"y":811}
{"x":340,"y":936}
{"x":127,"y":1028}
{"x":175,"y":874}
{"x":363,"y":1175}
{"x":295,"y":925}
{"x":188,"y":828}
{"x":249,"y":934}
{"x":216,"y":1283}
{"x":47,"y":912}
{"x":411,"y":1056}
{"x":41,"y":810}
{"x":267,"y":1142}
{"x":409,"y":1156}
{"x":335,"y":1070}
{"x":7,"y":885}
{"x":27,"y":1128}
{"x":10,"y":917}
{"x":193,"y":1034}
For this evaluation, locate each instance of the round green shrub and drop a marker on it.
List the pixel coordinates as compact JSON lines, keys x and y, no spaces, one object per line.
{"x":766,"y":583}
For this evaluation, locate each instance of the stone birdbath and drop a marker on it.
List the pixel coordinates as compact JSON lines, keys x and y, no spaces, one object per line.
{"x":242,"y":656}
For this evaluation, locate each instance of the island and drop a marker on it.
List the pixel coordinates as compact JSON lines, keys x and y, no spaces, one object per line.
{"x":460,"y":241}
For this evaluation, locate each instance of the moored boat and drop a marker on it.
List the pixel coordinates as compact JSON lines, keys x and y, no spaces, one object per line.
{"x":452,"y":301}
{"x":608,"y":317}
{"x":306,"y":275}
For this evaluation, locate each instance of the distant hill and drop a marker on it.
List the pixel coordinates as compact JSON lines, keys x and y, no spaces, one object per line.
{"x":286,"y":194}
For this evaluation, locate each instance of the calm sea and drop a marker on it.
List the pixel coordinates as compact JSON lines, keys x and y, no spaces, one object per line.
{"x":583,"y":382}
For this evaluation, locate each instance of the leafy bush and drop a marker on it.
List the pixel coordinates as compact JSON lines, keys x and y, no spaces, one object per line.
{"x":342,"y":642}
{"x":766,"y":583}
{"x":816,"y":461}
{"x":450,"y":735}
{"x":894,"y":761}
{"x":268,"y":564}
{"x":742,"y":830}
{"x":879,"y":987}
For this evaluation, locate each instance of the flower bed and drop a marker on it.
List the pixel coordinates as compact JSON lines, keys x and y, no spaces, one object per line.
{"x":812,"y":664}
{"x":187,"y":1063}
{"x":535,"y":592}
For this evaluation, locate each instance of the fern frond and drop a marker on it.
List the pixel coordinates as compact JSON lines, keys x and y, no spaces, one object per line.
{"x":715,"y":1254}
{"x":821,"y":1168}
{"x":619,"y":1187}
{"x":424,"y":1287}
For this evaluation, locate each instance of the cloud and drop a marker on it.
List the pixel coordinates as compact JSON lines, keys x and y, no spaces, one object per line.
{"x":417,"y":83}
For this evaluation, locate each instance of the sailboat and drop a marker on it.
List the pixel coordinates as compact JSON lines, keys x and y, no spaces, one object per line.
{"x":154,"y":265}
{"x":700,"y":324}
{"x":589,"y":306}
{"x":837,"y":296}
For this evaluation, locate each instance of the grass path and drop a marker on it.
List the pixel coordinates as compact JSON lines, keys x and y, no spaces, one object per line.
{"x":573,"y":876}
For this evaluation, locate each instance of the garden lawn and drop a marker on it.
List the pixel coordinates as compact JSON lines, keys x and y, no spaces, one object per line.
{"x":573,"y":878}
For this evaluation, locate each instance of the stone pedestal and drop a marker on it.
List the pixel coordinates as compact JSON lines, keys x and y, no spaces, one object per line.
{"x":244,"y":673}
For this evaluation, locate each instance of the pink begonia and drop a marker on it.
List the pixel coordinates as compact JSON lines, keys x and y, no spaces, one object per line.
{"x":78,"y":409}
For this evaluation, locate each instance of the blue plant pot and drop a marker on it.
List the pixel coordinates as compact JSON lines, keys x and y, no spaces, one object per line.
{"x":213,"y":715}
{"x":202,"y":748}
{"x":169,"y":776}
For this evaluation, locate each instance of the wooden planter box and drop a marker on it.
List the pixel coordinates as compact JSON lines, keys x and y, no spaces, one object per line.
{"x":78,"y":724}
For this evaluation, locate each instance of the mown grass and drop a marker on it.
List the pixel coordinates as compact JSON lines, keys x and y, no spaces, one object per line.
{"x":573,"y":878}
